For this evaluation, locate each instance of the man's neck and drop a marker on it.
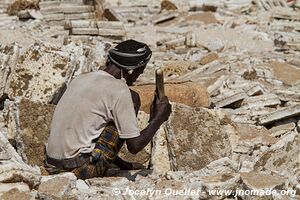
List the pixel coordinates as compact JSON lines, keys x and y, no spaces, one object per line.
{"x":113,"y":70}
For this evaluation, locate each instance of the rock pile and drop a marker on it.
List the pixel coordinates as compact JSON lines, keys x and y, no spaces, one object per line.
{"x":232,"y":70}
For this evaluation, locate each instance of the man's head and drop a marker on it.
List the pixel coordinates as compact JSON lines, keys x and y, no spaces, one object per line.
{"x":131,"y":57}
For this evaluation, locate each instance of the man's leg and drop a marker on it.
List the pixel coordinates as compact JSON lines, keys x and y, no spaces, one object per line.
{"x":104,"y":153}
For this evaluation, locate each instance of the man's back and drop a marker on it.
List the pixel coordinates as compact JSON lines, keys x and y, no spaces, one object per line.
{"x":91,"y":100}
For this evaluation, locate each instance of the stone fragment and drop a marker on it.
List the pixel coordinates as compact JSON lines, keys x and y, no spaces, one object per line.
{"x":255,"y":90}
{"x":224,"y":181}
{"x":287,"y":13}
{"x":209,"y":58}
{"x":260,"y":101}
{"x":110,"y":14}
{"x":251,"y":137}
{"x":38,"y":73}
{"x":289,"y":74}
{"x":287,"y":40}
{"x":167,"y":5}
{"x":164,"y":16}
{"x":205,"y":17}
{"x":216,"y":45}
{"x":81,"y":185}
{"x":5,"y":187}
{"x":8,"y":59}
{"x":13,"y":169}
{"x":33,"y":128}
{"x":259,"y":181}
{"x":178,"y":42}
{"x":195,"y":138}
{"x":228,"y":100}
{"x":217,"y":167}
{"x":160,"y":161}
{"x":282,"y":158}
{"x":190,"y":94}
{"x":282,"y":129}
{"x":57,"y":186}
{"x":177,"y":68}
{"x":280,"y":114}
{"x":14,"y":194}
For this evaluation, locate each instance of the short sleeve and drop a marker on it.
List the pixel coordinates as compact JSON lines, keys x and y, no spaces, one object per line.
{"x":124,"y":116}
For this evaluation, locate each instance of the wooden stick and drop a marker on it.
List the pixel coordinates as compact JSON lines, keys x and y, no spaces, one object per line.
{"x":160,"y":88}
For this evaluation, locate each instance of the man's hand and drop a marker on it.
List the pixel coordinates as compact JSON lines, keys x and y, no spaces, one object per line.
{"x":160,"y":109}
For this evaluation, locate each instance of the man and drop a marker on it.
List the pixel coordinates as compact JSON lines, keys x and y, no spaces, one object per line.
{"x":97,"y":114}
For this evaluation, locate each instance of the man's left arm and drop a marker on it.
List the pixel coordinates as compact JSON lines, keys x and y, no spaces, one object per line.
{"x":122,"y":164}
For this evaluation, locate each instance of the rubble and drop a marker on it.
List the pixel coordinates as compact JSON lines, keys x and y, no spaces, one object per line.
{"x":13,"y":169}
{"x":282,"y":158}
{"x":187,"y":123}
{"x":57,"y":12}
{"x":58,"y":186}
{"x":256,"y":181}
{"x":32,"y":122}
{"x":286,"y":73}
{"x":280,"y":114}
{"x":190,"y":94}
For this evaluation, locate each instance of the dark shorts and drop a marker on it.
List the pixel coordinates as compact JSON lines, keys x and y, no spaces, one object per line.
{"x":104,"y":153}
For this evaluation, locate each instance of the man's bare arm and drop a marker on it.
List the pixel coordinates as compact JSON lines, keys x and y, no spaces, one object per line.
{"x":160,"y":114}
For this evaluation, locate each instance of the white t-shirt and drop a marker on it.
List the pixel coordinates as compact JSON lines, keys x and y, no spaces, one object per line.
{"x":89,"y":103}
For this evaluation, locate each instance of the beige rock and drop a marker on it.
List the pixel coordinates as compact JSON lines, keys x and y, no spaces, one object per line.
{"x":282,"y":157}
{"x":209,"y":58}
{"x":8,"y":59}
{"x":56,"y":187}
{"x":5,"y":187}
{"x":13,"y":169}
{"x":177,"y":68}
{"x":224,"y":181}
{"x":33,"y":128}
{"x":289,"y":74}
{"x":259,"y":181}
{"x":282,"y":129}
{"x":14,"y":194}
{"x":195,"y":137}
{"x":205,"y":17}
{"x":160,"y":161}
{"x":168,"y":5}
{"x":190,"y":94}
{"x":255,"y":134}
{"x":38,"y":73}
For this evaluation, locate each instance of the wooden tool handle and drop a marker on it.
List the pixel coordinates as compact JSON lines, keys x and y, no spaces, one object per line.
{"x":160,"y":88}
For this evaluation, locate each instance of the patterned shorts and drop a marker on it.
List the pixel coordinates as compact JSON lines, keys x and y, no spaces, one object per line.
{"x":104,"y":153}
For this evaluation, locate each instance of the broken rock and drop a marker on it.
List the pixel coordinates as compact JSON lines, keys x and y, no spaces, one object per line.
{"x":33,"y":128}
{"x":57,"y":186}
{"x":39,"y":72}
{"x":195,"y":138}
{"x":259,"y":181}
{"x":209,"y":58}
{"x":282,"y":157}
{"x":190,"y":94}
{"x":13,"y":169}
{"x":289,"y":74}
{"x":17,"y":194}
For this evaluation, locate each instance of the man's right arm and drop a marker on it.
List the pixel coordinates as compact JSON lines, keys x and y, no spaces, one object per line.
{"x":160,"y":112}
